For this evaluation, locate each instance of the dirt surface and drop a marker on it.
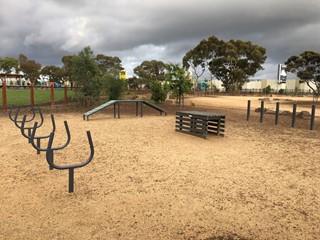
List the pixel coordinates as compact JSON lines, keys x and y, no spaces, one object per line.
{"x":146,"y":181}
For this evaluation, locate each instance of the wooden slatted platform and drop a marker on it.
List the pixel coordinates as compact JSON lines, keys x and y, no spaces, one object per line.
{"x":200,"y":123}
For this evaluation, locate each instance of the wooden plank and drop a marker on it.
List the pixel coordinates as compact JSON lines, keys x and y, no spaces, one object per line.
{"x":193,"y":134}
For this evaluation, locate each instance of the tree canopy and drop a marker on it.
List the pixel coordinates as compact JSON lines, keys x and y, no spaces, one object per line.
{"x":86,"y":75}
{"x":307,"y":67}
{"x":108,"y":63}
{"x":30,"y":68}
{"x":179,"y":80}
{"x":150,"y":71}
{"x":232,"y":62}
{"x":54,"y":73}
{"x":7,"y":64}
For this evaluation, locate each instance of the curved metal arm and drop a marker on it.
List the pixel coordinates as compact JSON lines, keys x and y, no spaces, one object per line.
{"x":52,"y":164}
{"x":29,"y":120}
{"x":16,"y":119}
{"x":33,"y":133}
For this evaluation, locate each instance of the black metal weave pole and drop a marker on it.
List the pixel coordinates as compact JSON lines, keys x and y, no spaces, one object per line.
{"x":71,"y":180}
{"x":118,"y":109}
{"x":313,"y":113}
{"x":294,"y":111}
{"x":114,"y":110}
{"x":261,"y":111}
{"x":248,"y":110}
{"x":38,"y":145}
{"x":277,"y":113}
{"x":137,"y":108}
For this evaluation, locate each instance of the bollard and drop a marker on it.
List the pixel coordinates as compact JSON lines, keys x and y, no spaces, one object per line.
{"x":313,"y":113}
{"x":294,"y":111}
{"x":277,"y":113}
{"x":261,"y":111}
{"x":248,"y":110}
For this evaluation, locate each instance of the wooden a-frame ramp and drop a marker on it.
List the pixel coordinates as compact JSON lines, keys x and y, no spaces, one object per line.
{"x":117,"y":103}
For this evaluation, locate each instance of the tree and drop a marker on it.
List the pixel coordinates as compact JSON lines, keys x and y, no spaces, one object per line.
{"x":307,"y":68}
{"x":67,"y":68}
{"x":114,"y":86}
{"x":86,"y":75}
{"x":54,"y":73}
{"x":236,"y":61}
{"x":30,"y":68}
{"x":150,"y":71}
{"x":194,"y":60}
{"x":108,"y":63}
{"x":7,"y":64}
{"x":134,"y":83}
{"x":199,"y":58}
{"x":178,"y":79}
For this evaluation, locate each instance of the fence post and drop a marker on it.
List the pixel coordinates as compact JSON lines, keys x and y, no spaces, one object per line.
{"x":294,"y":111}
{"x":65,"y":94}
{"x":4,"y":96}
{"x":248,"y":110}
{"x":261,"y":111}
{"x":52,"y":93}
{"x":313,"y":113}
{"x":32,"y":94}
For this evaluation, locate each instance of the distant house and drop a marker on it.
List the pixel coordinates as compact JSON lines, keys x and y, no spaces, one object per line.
{"x":12,"y":78}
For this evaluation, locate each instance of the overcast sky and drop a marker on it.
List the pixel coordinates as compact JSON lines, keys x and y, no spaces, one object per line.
{"x":138,"y":30}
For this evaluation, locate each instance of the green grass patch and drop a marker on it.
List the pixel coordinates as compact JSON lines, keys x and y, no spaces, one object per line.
{"x":21,"y":97}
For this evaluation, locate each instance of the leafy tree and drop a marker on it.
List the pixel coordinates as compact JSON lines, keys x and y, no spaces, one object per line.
{"x":30,"y":68}
{"x":236,"y":61}
{"x":194,"y":60}
{"x":108,"y":63}
{"x":8,"y":63}
{"x":178,"y":79}
{"x":54,"y":73}
{"x":86,"y":75}
{"x":200,"y":57}
{"x":114,"y":86}
{"x":68,"y":62}
{"x":134,"y":83}
{"x":150,"y":71}
{"x":307,"y":68}
{"x":159,"y":91}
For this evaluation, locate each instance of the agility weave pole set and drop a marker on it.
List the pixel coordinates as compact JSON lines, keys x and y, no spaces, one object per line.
{"x":294,"y":113}
{"x":31,"y":136}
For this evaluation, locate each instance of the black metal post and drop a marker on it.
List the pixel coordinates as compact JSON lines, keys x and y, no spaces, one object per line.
{"x":51,"y":158}
{"x":313,"y":113}
{"x":29,"y":134}
{"x":38,"y":145}
{"x":261,"y":111}
{"x":118,"y":109}
{"x":114,"y":110}
{"x":248,"y":110}
{"x":141,"y":103}
{"x":294,"y":111}
{"x":137,"y":108}
{"x":277,"y":113}
{"x":71,"y":180}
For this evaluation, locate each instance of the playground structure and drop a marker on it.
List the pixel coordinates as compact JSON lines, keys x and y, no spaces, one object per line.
{"x":116,"y":104}
{"x":31,"y":136}
{"x":277,"y":112}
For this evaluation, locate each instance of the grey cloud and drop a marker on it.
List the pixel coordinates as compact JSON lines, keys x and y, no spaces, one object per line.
{"x":136,"y":30}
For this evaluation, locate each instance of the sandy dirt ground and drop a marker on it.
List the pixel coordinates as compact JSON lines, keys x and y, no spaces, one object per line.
{"x":146,"y":181}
